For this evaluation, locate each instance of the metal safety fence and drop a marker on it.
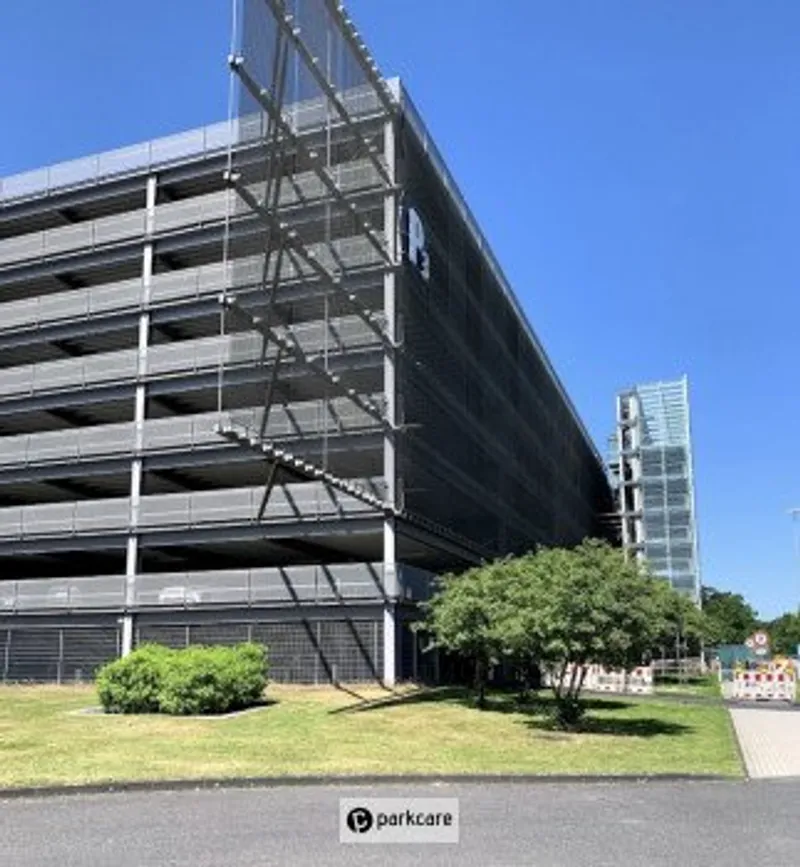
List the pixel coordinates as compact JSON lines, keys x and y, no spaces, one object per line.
{"x":203,"y":142}
{"x":182,"y":433}
{"x":56,"y":654}
{"x":307,"y":501}
{"x":307,"y":651}
{"x":318,"y":584}
{"x":183,"y":285}
{"x":337,"y":336}
{"x":300,"y":651}
{"x":207,"y":209}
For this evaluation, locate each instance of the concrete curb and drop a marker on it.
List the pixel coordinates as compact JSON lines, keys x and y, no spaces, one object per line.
{"x":351,"y":780}
{"x":738,"y":745}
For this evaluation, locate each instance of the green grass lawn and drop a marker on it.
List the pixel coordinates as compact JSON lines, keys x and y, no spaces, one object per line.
{"x":362,"y":730}
{"x":707,"y":687}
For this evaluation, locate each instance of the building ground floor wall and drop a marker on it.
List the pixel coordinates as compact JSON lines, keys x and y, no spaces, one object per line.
{"x":315,"y":646}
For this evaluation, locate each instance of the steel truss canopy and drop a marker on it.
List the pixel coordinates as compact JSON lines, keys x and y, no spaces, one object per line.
{"x":305,"y":83}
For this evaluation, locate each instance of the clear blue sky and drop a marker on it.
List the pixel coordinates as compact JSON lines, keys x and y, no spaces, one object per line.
{"x":636,"y":166}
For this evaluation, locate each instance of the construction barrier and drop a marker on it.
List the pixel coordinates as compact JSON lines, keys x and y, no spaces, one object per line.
{"x":599,"y":679}
{"x":764,"y":685}
{"x":609,"y":680}
{"x":640,"y":680}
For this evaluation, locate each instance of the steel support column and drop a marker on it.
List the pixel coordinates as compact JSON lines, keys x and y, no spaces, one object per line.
{"x":140,"y":404}
{"x":391,"y":631}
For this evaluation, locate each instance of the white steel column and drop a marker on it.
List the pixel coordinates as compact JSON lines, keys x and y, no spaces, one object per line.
{"x":390,"y":626}
{"x":132,"y":552}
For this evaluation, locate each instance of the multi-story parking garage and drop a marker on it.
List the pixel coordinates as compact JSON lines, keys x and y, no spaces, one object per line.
{"x":262,"y":380}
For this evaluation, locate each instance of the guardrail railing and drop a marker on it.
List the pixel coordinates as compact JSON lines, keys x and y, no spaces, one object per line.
{"x":203,"y":282}
{"x":345,"y":582}
{"x":306,"y":501}
{"x":204,"y":141}
{"x":181,"y":357}
{"x":184,"y":433}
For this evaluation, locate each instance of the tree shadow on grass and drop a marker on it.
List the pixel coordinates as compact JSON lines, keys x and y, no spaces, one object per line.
{"x":496,"y":701}
{"x":647,"y":727}
{"x":537,"y":710}
{"x":402,"y":699}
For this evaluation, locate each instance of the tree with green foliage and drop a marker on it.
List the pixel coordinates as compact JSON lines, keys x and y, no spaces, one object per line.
{"x":729,"y":618}
{"x":564,"y":608}
{"x":684,"y":624}
{"x":590,"y":605}
{"x":784,"y":634}
{"x":462,"y":617}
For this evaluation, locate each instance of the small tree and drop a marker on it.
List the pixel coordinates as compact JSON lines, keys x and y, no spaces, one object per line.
{"x":462,"y":617}
{"x":682,"y":622}
{"x":586,"y":606}
{"x":564,"y":609}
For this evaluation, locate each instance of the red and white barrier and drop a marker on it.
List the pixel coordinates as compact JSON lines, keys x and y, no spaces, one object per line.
{"x":598,"y":679}
{"x":764,"y":686}
{"x":640,"y":680}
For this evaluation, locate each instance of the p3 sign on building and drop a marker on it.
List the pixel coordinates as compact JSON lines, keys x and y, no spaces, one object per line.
{"x":417,"y":245}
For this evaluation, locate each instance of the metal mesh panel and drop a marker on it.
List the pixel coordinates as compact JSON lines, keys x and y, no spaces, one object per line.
{"x":322,"y":34}
{"x":63,"y":593}
{"x":231,"y":506}
{"x":293,"y":656}
{"x":198,"y":211}
{"x":68,"y":445}
{"x":353,"y":649}
{"x":69,"y":373}
{"x":313,"y":651}
{"x":317,"y":186}
{"x":288,"y":584}
{"x":85,"y":650}
{"x":91,"y":170}
{"x":27,"y":312}
{"x":33,"y":655}
{"x":220,"y":633}
{"x":52,"y":242}
{"x":517,"y":469}
{"x":170,"y":636}
{"x":320,"y":651}
{"x":344,"y":333}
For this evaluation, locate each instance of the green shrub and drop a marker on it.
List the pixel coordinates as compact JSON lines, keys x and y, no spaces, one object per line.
{"x":203,"y":680}
{"x":132,"y":684}
{"x":197,"y":680}
{"x":248,"y":672}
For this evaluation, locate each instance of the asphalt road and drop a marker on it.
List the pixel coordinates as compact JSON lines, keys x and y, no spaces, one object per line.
{"x":540,"y":824}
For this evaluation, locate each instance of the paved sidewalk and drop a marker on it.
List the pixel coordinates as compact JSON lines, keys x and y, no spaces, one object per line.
{"x":770,"y":741}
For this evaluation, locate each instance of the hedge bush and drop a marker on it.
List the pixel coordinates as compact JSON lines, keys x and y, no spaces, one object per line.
{"x":133,"y":684}
{"x":197,"y":680}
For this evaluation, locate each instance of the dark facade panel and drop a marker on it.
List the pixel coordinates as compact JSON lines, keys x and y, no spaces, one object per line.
{"x":492,"y":448}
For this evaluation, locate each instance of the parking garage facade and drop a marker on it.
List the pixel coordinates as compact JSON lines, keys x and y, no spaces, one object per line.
{"x":248,"y":397}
